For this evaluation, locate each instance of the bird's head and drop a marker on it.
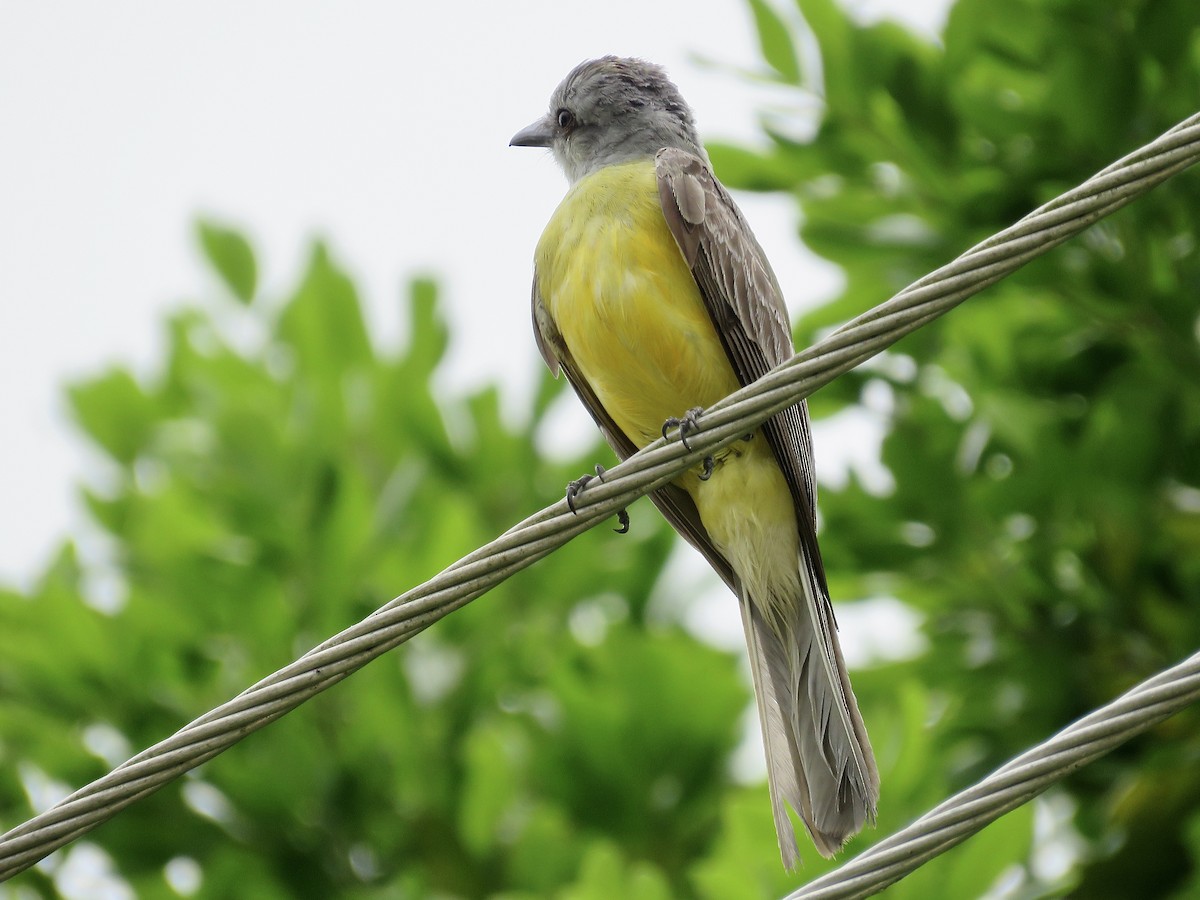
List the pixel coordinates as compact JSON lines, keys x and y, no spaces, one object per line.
{"x":612,"y":110}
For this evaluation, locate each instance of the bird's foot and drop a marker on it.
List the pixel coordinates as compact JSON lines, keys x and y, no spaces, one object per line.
{"x":575,"y":488}
{"x":688,"y":425}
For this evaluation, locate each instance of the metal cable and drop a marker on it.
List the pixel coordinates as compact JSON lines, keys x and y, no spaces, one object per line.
{"x":1015,"y":783}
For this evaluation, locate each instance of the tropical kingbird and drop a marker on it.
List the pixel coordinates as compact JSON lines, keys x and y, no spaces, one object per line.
{"x":654,"y":297}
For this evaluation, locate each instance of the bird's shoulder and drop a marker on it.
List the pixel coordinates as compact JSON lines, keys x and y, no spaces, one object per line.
{"x":718,"y":245}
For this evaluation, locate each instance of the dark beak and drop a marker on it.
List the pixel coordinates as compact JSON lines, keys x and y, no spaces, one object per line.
{"x":539,"y":134}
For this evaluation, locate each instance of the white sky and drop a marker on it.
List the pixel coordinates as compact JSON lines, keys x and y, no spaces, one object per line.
{"x":120,"y":121}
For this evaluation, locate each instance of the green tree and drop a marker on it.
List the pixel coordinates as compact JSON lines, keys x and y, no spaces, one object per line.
{"x":565,"y":736}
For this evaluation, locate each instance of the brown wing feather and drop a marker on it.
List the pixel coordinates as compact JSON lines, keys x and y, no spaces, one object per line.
{"x":819,"y":757}
{"x":746,"y":304}
{"x":673,"y":502}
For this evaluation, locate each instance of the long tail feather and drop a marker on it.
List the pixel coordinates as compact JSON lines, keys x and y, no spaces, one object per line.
{"x":819,"y":759}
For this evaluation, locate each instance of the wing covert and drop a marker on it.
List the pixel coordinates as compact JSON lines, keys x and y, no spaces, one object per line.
{"x":746,"y":304}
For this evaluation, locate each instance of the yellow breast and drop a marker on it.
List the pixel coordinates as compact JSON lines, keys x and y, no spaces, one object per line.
{"x":616,"y":285}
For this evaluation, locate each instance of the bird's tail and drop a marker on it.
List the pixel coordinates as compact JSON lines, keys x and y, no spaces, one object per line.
{"x":819,"y":759}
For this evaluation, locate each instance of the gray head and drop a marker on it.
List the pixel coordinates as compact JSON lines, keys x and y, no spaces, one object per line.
{"x":612,"y":110}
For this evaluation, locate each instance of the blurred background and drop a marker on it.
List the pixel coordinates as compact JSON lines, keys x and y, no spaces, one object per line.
{"x":265,"y":362}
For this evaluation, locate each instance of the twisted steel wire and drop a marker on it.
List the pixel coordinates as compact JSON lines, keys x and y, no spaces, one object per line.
{"x":1018,"y":781}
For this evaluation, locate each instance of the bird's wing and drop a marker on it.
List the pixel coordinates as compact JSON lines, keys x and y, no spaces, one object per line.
{"x":819,"y":758}
{"x":672,"y":502}
{"x":747,"y":307}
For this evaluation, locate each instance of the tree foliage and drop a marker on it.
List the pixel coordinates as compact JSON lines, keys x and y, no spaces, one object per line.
{"x":1047,"y":440}
{"x":280,"y":475}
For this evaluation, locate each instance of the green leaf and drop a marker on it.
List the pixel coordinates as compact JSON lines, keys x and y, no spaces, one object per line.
{"x":775,"y":41}
{"x":115,"y":412}
{"x":743,"y":861}
{"x":605,"y":874}
{"x":323,"y":322}
{"x":490,"y":787}
{"x":232,"y":257}
{"x":429,"y":333}
{"x":834,"y":35}
{"x":752,"y":170}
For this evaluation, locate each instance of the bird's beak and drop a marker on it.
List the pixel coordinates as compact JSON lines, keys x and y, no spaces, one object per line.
{"x":539,"y":134}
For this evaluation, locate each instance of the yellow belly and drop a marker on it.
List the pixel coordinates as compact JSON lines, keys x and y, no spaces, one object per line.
{"x":616,"y":285}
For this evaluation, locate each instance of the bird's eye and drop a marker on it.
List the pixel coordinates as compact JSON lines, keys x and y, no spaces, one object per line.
{"x":566,"y":119}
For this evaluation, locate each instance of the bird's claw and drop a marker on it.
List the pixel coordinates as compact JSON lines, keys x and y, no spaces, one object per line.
{"x":688,"y":424}
{"x":575,"y":488}
{"x":708,"y":469}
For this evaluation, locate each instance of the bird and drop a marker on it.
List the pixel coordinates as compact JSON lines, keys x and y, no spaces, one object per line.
{"x":652,"y":295}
